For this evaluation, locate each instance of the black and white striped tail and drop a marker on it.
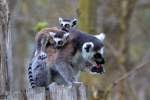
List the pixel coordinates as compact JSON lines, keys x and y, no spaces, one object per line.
{"x":30,"y":76}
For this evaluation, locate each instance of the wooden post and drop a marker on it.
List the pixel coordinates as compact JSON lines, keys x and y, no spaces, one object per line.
{"x":55,"y":92}
{"x":75,"y":92}
{"x":36,"y":94}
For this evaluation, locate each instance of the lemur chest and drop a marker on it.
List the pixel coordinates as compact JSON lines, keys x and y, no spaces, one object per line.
{"x":52,"y":55}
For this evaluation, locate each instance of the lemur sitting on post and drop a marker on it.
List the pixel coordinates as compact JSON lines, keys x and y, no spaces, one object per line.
{"x":47,"y":39}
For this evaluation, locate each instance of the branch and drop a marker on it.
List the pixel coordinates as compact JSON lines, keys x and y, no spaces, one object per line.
{"x":125,"y":76}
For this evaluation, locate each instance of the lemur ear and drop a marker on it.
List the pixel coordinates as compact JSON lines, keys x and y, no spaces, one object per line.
{"x":74,"y":22}
{"x":101,"y":36}
{"x":60,"y":20}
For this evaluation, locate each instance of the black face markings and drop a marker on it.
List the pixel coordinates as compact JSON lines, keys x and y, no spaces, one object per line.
{"x":87,"y":48}
{"x":74,"y":23}
{"x":99,"y":59}
{"x":67,"y":26}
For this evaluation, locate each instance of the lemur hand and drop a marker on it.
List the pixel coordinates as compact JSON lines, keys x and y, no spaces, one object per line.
{"x":42,"y":56}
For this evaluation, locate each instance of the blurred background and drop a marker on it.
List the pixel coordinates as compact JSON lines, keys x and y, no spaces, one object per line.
{"x":127,"y":46}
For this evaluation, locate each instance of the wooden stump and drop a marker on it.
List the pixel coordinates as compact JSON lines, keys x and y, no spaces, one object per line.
{"x":75,"y":92}
{"x":55,"y":92}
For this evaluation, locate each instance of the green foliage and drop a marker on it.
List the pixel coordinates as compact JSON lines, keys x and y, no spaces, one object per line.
{"x":40,"y":25}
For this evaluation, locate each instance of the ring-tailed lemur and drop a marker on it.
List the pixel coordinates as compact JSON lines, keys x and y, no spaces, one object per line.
{"x":67,"y":24}
{"x":48,"y":37}
{"x":98,"y":57}
{"x":62,"y":64}
{"x":70,"y":59}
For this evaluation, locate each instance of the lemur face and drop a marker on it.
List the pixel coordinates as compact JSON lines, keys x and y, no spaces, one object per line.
{"x":59,"y":38}
{"x":67,"y":24}
{"x":93,"y":53}
{"x":90,"y":53}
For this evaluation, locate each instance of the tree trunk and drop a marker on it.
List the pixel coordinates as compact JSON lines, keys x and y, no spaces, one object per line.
{"x":87,"y":15}
{"x":4,"y":47}
{"x":116,"y":26}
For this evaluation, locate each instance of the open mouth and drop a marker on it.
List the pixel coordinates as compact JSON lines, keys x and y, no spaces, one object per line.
{"x":99,"y":68}
{"x":99,"y":64}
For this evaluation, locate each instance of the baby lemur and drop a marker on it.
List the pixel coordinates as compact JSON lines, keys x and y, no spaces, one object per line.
{"x":67,"y":24}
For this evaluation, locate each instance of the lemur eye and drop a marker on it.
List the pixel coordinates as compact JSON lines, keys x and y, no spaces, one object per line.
{"x":61,"y":25}
{"x":67,"y":26}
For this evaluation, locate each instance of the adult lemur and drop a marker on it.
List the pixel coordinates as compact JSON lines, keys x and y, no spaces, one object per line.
{"x":66,"y":25}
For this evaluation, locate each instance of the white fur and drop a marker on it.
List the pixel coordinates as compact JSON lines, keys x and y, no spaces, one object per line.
{"x":100,"y":36}
{"x":101,"y":51}
{"x":66,"y":35}
{"x":60,"y":20}
{"x":52,"y":34}
{"x":87,"y":55}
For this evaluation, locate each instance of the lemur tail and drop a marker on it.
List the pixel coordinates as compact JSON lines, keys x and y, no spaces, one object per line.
{"x":30,"y":75}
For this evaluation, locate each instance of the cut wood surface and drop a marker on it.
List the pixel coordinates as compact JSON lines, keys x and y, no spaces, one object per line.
{"x":55,"y":92}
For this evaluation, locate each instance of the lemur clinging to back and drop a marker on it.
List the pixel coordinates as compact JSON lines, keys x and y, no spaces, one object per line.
{"x":67,"y":24}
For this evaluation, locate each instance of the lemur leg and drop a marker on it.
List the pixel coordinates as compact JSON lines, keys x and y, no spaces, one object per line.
{"x":66,"y":71}
{"x":37,"y":71}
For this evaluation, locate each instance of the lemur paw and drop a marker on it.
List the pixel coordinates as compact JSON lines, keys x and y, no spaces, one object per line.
{"x":42,"y":56}
{"x":100,"y":70}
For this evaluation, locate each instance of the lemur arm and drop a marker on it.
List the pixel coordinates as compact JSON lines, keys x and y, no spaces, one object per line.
{"x":43,"y":36}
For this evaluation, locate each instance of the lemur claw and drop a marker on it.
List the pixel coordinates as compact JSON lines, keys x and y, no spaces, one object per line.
{"x":42,"y":56}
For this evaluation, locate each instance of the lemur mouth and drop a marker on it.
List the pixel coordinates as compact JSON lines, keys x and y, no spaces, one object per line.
{"x":98,"y":65}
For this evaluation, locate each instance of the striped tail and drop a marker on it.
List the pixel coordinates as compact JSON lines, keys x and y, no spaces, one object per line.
{"x":30,"y":76}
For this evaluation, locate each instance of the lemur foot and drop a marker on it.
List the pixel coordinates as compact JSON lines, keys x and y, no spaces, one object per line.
{"x":42,"y":56}
{"x":100,"y":70}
